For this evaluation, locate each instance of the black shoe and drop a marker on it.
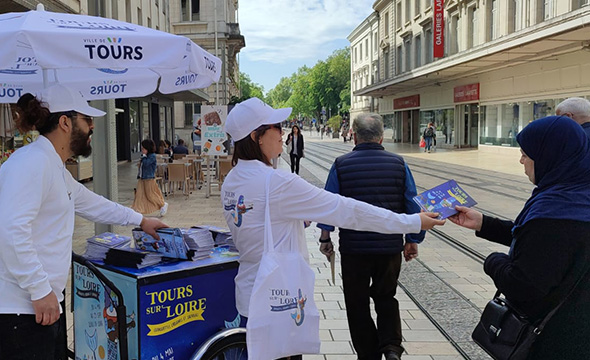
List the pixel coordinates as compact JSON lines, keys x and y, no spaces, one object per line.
{"x":392,"y":355}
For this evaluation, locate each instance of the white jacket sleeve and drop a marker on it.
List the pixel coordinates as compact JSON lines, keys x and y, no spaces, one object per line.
{"x":96,"y":208}
{"x":297,"y":199}
{"x":18,"y":211}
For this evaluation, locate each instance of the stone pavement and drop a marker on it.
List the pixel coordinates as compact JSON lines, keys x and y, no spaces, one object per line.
{"x":422,"y":340}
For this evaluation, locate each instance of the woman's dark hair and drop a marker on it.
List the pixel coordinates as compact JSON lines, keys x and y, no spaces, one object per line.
{"x":149,"y":145}
{"x":33,"y":115}
{"x":249,"y":149}
{"x":168,"y":143}
{"x":161,"y":146}
{"x":298,"y":130}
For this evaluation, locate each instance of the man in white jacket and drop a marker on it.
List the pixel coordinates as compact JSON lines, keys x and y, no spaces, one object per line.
{"x":39,"y":200}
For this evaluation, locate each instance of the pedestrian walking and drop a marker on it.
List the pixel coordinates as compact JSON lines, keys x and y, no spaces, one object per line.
{"x":548,"y":240}
{"x":577,"y":109}
{"x":148,"y":196}
{"x":429,"y":134}
{"x":256,"y":129}
{"x":371,"y":262}
{"x":40,"y":199}
{"x":296,"y":148}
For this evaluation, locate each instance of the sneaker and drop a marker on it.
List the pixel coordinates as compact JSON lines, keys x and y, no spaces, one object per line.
{"x":164,"y":209}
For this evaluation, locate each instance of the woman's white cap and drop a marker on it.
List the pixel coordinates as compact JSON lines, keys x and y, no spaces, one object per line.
{"x":59,"y":98}
{"x":249,"y":115}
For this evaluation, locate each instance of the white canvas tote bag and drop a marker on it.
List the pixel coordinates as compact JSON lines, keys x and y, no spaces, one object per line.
{"x":283,"y":319}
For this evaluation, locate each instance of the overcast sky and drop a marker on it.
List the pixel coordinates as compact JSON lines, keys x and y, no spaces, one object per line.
{"x":283,"y":35}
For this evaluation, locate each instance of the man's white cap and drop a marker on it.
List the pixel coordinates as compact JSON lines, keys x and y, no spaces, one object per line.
{"x":249,"y":115}
{"x":59,"y":98}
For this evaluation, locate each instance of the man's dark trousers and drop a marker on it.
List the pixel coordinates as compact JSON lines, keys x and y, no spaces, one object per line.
{"x":376,"y":276}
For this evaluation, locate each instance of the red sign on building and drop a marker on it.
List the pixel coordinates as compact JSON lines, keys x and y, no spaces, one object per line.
{"x":439,"y":29}
{"x":466,"y":93}
{"x":406,"y":102}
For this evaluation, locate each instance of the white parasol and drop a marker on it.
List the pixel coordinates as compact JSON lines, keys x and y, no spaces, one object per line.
{"x":102,"y":58}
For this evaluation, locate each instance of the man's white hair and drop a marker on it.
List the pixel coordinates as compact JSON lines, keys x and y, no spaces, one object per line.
{"x":368,"y":127}
{"x":577,"y":106}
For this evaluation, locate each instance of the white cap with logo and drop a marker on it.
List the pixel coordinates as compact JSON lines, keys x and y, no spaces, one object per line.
{"x":59,"y":98}
{"x":249,"y":115}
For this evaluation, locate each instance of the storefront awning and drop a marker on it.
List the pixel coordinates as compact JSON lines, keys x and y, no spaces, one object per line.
{"x":196,"y":95}
{"x":543,"y":42}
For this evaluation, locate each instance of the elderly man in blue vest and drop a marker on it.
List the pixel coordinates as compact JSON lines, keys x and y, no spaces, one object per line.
{"x":371,"y":261}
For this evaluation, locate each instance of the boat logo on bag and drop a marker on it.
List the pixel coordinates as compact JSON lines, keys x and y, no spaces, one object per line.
{"x":237,"y":210}
{"x":288,"y":302}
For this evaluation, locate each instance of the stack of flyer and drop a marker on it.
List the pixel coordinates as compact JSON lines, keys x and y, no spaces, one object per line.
{"x":199,"y":241}
{"x":97,"y":246}
{"x":129,"y":257}
{"x":171,"y":243}
{"x":222,"y":237}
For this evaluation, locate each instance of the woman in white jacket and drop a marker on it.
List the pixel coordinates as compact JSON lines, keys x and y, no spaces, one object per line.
{"x":256,"y":129}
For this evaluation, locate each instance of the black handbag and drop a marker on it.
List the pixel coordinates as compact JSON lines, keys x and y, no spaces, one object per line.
{"x":507,"y":334}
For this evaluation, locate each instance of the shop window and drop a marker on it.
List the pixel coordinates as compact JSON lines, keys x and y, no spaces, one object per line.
{"x":190,"y":10}
{"x":428,"y":46}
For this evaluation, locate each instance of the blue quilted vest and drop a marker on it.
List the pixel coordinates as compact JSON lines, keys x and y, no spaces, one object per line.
{"x":375,"y":176}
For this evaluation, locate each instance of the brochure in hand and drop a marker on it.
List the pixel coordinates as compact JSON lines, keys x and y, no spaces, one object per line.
{"x":171,"y":243}
{"x":443,"y":199}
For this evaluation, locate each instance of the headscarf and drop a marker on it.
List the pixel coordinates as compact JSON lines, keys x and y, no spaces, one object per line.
{"x":561,"y":152}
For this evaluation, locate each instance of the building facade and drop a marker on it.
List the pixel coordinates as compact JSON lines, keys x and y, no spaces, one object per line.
{"x":505,"y":63}
{"x":213,"y":24}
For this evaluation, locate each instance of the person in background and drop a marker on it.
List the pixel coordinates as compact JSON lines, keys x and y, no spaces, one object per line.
{"x":40,"y":199}
{"x":429,"y":134}
{"x":577,"y":109}
{"x":371,"y":262}
{"x":296,"y":148}
{"x":196,"y":138}
{"x":258,"y":135}
{"x":549,"y":240}
{"x":180,"y":148}
{"x":148,"y":196}
{"x":162,"y":147}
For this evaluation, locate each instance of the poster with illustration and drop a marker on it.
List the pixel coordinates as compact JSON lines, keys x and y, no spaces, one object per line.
{"x":96,"y":329}
{"x":213,"y":138}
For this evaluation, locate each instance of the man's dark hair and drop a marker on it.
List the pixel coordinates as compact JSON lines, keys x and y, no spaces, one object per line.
{"x":149,"y":145}
{"x":34,"y":115}
{"x":249,"y":149}
{"x":180,"y":142}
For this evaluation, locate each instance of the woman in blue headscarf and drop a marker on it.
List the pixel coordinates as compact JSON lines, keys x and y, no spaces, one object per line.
{"x":549,"y":240}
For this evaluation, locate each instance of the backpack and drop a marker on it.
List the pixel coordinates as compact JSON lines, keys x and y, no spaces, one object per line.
{"x":429,"y":132}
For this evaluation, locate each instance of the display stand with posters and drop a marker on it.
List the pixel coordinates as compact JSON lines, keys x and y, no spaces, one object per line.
{"x":214,"y":141}
{"x":169,"y":310}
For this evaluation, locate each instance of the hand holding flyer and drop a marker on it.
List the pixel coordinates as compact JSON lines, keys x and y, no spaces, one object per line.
{"x":443,"y":198}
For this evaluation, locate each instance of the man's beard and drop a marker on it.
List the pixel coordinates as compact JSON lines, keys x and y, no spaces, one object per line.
{"x":79,"y":144}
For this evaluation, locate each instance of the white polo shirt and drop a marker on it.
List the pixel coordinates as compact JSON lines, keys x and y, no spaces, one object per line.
{"x":39,"y":199}
{"x":292,"y":200}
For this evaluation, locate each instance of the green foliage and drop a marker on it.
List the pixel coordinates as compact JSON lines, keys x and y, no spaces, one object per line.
{"x":335,"y":122}
{"x":325,"y":85}
{"x":248,"y":89}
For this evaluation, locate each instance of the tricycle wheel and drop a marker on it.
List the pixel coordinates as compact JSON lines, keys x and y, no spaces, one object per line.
{"x":232,"y":347}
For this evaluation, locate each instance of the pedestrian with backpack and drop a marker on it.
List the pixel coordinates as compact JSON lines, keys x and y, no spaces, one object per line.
{"x":429,"y":135}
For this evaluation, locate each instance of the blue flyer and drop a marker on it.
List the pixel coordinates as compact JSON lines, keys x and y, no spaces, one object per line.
{"x":443,"y":199}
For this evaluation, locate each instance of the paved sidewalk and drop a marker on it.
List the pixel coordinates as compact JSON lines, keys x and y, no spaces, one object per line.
{"x":421,"y":339}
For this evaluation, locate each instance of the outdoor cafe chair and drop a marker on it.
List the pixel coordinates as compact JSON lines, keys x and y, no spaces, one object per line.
{"x":177,"y":175}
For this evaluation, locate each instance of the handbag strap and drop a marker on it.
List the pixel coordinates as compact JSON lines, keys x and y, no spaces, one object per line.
{"x":268,"y":239}
{"x":547,"y":317}
{"x":268,"y":245}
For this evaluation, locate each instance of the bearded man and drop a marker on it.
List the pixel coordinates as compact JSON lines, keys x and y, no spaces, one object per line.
{"x":39,"y":199}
